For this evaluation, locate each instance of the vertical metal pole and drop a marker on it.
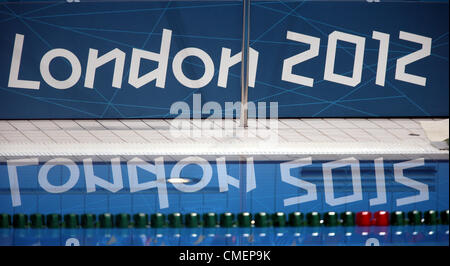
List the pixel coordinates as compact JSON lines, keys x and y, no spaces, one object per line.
{"x":244,"y":98}
{"x":243,"y":183}
{"x":245,"y":62}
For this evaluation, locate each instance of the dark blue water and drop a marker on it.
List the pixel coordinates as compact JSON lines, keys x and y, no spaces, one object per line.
{"x":268,"y":195}
{"x":287,"y":236}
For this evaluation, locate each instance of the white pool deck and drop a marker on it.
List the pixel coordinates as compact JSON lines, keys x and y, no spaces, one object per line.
{"x":283,"y":139}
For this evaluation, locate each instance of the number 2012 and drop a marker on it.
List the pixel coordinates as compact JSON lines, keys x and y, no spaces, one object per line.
{"x":359,"y":42}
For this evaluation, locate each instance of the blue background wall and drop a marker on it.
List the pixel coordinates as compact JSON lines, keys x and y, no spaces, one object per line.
{"x":210,"y":26}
